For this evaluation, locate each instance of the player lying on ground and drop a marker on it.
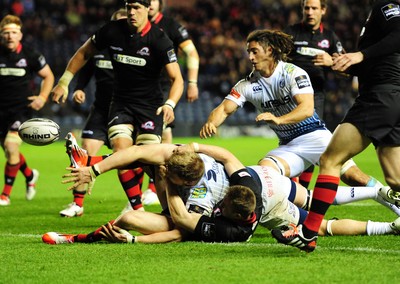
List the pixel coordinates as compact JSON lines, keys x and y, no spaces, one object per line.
{"x":158,"y":228}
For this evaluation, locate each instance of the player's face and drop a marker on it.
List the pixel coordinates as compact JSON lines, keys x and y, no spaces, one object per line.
{"x":260,"y":58}
{"x":312,"y":13}
{"x":11,"y":37}
{"x":154,"y":8}
{"x":137,"y":15}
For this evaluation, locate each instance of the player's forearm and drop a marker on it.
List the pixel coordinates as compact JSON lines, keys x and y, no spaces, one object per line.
{"x":179,"y":214}
{"x":46,"y":84}
{"x":231,"y":163}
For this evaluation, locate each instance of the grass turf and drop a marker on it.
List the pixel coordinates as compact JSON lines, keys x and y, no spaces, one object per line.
{"x":25,"y":259}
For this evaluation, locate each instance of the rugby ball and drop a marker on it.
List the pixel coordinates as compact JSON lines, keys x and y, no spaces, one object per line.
{"x":39,"y":131}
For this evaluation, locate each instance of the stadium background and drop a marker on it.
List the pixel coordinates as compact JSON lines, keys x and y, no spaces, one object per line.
{"x":218,"y":28}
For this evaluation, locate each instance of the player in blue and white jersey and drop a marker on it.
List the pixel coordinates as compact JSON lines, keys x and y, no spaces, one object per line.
{"x":283,"y":94}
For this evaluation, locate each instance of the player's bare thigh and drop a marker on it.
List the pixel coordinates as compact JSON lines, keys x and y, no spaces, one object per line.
{"x":346,"y":143}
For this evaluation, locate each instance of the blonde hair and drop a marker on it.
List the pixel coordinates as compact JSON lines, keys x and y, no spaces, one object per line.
{"x":10,"y":19}
{"x":186,"y":165}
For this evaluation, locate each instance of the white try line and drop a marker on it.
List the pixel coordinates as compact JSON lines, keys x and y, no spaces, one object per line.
{"x":263,"y":245}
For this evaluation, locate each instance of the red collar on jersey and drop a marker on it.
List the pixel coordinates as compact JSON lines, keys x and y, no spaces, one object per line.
{"x":321,"y":27}
{"x":158,"y":18}
{"x":146,"y":29}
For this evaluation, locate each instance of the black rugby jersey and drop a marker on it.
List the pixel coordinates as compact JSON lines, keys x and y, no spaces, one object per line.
{"x":175,"y":31}
{"x":16,"y":72}
{"x":137,"y":59}
{"x":99,"y":66}
{"x":218,"y":228}
{"x":305,"y":40}
{"x":380,"y":44}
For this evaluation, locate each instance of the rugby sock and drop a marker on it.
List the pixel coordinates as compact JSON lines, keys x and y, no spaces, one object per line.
{"x":346,"y":194}
{"x":152,"y":186}
{"x":378,"y":228}
{"x":323,"y":196}
{"x":91,"y":237}
{"x":10,"y":173}
{"x":306,"y":176}
{"x":79,"y":197}
{"x":130,"y":181}
{"x":95,"y":159}
{"x":23,"y":167}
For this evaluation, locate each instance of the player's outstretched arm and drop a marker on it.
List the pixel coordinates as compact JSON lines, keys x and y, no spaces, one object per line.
{"x":155,"y":154}
{"x":217,"y":117}
{"x":78,"y":60}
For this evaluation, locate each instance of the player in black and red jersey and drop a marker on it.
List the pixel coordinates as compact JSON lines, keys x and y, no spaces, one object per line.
{"x":183,"y":43}
{"x":374,"y":118}
{"x":139,"y":51}
{"x":314,"y":45}
{"x":94,"y":133}
{"x":18,"y":63}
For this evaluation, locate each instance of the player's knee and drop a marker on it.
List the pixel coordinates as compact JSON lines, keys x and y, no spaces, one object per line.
{"x":393,"y":182}
{"x":146,"y":139}
{"x":274,"y":163}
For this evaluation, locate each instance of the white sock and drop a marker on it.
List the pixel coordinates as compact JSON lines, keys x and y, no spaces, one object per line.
{"x":378,"y":228}
{"x":346,"y":194}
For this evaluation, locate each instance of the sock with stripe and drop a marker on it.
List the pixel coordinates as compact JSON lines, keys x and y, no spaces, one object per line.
{"x":323,"y":196}
{"x":131,"y":183}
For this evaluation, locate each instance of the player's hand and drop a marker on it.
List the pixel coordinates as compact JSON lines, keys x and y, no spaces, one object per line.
{"x":59,"y":93}
{"x":79,"y":176}
{"x":323,"y":59}
{"x":79,"y":96}
{"x":268,"y":117}
{"x":37,"y":102}
{"x":343,"y":61}
{"x":114,"y":234}
{"x":192,"y":93}
{"x":168,"y":113}
{"x":208,"y":130}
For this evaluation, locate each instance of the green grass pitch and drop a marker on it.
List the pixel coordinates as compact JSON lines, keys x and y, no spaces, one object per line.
{"x":25,"y":259}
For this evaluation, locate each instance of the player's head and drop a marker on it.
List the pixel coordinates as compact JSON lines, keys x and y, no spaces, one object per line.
{"x":10,"y":31}
{"x":156,"y":6}
{"x":264,"y":46}
{"x":119,"y":14}
{"x":137,"y":13}
{"x":184,"y":168}
{"x":313,"y":10}
{"x":239,"y":203}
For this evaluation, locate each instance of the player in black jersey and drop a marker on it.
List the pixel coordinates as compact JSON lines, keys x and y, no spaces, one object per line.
{"x":139,"y":51}
{"x":18,"y":64}
{"x":183,"y":43}
{"x":374,"y":118}
{"x":94,"y":133}
{"x":314,"y":45}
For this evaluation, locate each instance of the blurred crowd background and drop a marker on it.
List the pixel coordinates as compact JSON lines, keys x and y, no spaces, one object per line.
{"x":218,"y":28}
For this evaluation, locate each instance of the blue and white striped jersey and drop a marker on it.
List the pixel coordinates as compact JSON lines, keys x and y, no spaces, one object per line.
{"x":275,"y":95}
